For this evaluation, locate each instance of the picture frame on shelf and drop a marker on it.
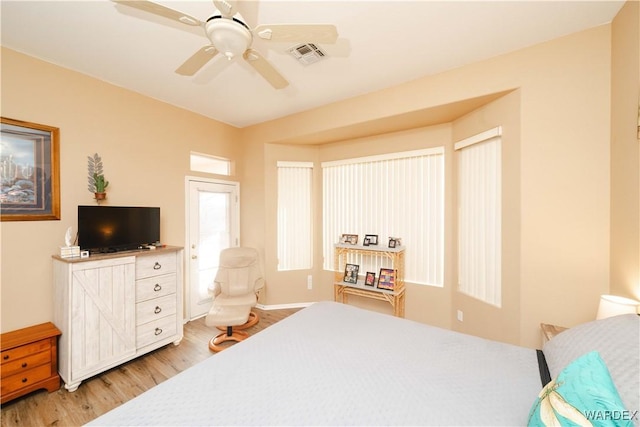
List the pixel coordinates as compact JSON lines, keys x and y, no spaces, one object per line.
{"x":395,"y":242}
{"x":387,"y":279}
{"x":370,"y":279}
{"x":349,"y":239}
{"x":30,"y":168}
{"x":351,"y":273}
{"x":370,"y":239}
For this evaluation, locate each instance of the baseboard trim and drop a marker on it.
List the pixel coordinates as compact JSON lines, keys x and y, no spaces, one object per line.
{"x":283,"y":306}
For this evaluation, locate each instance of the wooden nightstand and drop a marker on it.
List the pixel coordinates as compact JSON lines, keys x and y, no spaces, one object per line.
{"x":550,"y":331}
{"x":29,"y":361}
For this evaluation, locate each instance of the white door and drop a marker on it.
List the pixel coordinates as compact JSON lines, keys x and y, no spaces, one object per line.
{"x":213,"y":224}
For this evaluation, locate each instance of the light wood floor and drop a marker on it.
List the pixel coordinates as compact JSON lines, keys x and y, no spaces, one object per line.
{"x":110,"y":389}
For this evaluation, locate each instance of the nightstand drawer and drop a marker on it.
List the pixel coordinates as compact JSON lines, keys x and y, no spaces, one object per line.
{"x":26,"y":363}
{"x":25,"y":379}
{"x":157,"y":308}
{"x":155,"y":265}
{"x":153,"y":287}
{"x":18,"y":352}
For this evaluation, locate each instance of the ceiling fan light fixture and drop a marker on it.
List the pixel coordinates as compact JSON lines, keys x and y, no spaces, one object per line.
{"x":230,"y":37}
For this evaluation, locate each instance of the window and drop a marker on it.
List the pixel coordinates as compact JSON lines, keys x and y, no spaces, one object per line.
{"x":210,"y":164}
{"x":396,"y":195}
{"x":479,"y":216}
{"x":294,"y":216}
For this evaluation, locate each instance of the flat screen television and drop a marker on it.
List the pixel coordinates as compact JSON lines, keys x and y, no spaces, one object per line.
{"x":117,"y":228}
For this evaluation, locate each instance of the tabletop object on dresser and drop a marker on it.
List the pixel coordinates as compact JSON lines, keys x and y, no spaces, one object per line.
{"x":550,"y":331}
{"x":29,"y":360}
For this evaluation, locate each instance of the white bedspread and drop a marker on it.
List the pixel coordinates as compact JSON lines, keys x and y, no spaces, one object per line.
{"x":334,"y":364}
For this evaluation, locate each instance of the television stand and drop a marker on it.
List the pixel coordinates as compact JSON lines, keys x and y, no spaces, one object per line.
{"x":139,"y":292}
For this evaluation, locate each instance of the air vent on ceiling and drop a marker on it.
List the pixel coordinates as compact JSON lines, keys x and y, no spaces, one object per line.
{"x":307,"y":53}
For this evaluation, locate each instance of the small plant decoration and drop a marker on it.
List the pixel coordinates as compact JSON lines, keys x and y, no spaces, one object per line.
{"x":97,"y":182}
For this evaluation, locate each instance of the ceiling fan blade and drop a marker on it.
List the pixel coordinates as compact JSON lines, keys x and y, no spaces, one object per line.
{"x":306,"y":33}
{"x":249,"y":11}
{"x":227,"y":8}
{"x":197,"y":61}
{"x":265,"y":69}
{"x":160,"y":10}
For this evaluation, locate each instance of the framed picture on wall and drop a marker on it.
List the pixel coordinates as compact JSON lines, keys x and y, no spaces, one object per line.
{"x":29,"y":171}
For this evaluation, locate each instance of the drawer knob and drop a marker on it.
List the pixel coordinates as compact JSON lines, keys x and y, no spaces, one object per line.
{"x":157,"y":287}
{"x":157,"y":266}
{"x":5,"y":357}
{"x":157,"y":310}
{"x":24,"y":364}
{"x":24,"y":380}
{"x":158,"y":331}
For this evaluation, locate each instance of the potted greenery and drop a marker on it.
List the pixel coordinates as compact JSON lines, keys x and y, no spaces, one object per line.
{"x":97,"y":182}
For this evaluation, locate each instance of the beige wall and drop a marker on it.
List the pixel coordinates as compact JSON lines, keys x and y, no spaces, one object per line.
{"x":562,"y":168}
{"x":558,"y":228}
{"x":625,"y":152}
{"x":144,"y":145}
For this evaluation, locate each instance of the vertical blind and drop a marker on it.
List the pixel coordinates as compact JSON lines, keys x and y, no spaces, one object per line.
{"x":479,"y":217}
{"x":294,"y":216}
{"x":398,"y":195}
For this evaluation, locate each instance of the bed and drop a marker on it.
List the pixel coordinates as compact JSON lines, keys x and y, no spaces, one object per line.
{"x":335,"y":364}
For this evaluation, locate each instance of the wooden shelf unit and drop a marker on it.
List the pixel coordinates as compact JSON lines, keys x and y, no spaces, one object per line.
{"x":342,"y":289}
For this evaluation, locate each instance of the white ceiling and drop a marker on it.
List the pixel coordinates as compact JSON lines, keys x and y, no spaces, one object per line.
{"x":381,"y":44}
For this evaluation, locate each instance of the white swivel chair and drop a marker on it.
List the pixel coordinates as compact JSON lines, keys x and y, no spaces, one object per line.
{"x":235,"y":291}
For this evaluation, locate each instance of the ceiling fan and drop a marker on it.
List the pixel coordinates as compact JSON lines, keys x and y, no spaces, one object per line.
{"x":230,"y":36}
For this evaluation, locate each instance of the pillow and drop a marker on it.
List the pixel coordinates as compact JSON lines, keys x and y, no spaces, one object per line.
{"x":582,"y":394}
{"x":616,"y":339}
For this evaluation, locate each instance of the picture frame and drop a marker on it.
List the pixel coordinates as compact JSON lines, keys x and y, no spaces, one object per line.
{"x":351,"y":273}
{"x":29,"y":171}
{"x":371,"y":239}
{"x":387,"y":279}
{"x":349,"y":239}
{"x":395,"y":242}
{"x":370,"y":279}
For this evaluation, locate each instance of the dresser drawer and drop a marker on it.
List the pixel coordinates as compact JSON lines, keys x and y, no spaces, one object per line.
{"x":155,"y":265}
{"x":154,"y":287}
{"x":26,"y":363}
{"x":25,"y":379}
{"x":19,"y":352}
{"x":153,"y":309}
{"x":155,"y":331}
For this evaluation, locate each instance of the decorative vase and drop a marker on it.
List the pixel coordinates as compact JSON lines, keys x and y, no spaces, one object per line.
{"x":100,"y":196}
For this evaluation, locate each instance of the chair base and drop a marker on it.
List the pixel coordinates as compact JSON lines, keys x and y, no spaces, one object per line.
{"x":253,"y":319}
{"x":215,"y":342}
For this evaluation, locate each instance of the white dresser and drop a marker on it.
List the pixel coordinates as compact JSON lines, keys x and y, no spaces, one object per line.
{"x":113,"y":308}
